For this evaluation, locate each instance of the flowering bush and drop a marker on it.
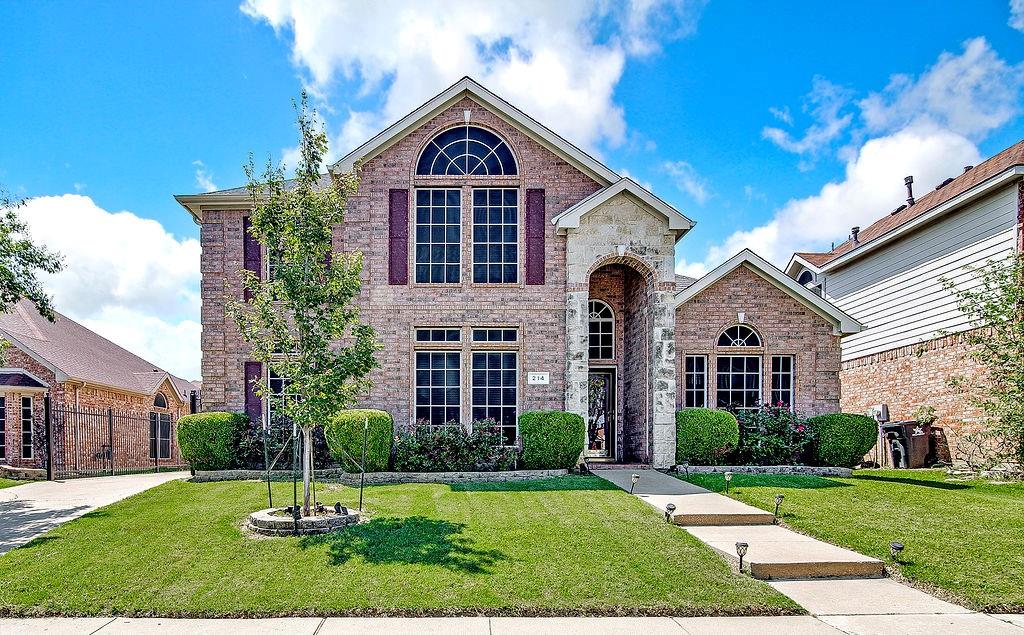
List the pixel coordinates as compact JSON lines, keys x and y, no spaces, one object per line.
{"x":773,"y":435}
{"x":453,"y":449}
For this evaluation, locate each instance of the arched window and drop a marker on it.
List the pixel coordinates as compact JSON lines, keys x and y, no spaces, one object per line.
{"x":602,"y":331}
{"x":160,"y":401}
{"x":465,"y":151}
{"x":739,"y":335}
{"x":805,"y":278}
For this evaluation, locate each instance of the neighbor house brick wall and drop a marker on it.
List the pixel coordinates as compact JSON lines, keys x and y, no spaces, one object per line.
{"x":786,"y":326}
{"x":908,"y":377}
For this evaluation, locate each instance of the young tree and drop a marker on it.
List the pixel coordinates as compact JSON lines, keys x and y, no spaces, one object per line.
{"x":996,"y":308}
{"x":302,"y":321}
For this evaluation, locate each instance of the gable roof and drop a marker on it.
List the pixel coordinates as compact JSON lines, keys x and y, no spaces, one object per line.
{"x":842,"y":322}
{"x":992,"y":172}
{"x":467,"y":87}
{"x":570,"y":218}
{"x":73,"y":352}
{"x":231,"y":197}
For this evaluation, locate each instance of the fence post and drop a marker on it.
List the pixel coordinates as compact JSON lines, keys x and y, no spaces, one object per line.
{"x":48,"y":436}
{"x":110,"y":433}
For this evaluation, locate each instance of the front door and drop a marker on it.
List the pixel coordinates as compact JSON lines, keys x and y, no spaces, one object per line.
{"x":601,"y":414}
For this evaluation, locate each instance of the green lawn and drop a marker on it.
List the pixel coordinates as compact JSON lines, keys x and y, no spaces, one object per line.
{"x":6,"y":482}
{"x":561,"y":546}
{"x":965,"y":537}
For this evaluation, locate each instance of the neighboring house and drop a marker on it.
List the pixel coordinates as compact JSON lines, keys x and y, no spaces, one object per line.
{"x":507,"y":270}
{"x":889,"y":276}
{"x":97,"y":391}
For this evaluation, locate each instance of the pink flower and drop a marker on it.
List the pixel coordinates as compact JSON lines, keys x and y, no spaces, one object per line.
{"x":799,"y":428}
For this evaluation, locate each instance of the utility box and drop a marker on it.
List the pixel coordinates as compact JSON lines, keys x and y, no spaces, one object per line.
{"x":908,"y":443}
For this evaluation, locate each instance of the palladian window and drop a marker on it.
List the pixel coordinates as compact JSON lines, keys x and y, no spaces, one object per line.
{"x":466,"y":151}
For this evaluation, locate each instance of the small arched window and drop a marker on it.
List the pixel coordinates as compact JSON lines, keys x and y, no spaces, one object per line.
{"x":739,"y":335}
{"x":159,"y":401}
{"x":602,"y":331}
{"x":467,"y":151}
{"x":805,"y":278}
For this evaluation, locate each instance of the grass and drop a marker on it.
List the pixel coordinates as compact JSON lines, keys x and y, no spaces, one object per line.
{"x":961,"y":537}
{"x":6,"y":482}
{"x":573,"y":545}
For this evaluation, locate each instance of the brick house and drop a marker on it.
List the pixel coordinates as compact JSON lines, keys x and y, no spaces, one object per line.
{"x":507,"y":270}
{"x":889,"y":276}
{"x":85,"y":377}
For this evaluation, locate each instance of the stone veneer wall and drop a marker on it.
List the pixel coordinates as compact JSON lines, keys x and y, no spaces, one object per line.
{"x":786,"y":326}
{"x":917,"y":375}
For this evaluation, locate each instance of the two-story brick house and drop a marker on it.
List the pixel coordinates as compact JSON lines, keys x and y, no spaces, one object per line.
{"x":507,"y":270}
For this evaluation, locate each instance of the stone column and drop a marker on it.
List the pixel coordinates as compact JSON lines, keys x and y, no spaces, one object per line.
{"x":663,"y":379}
{"x":577,"y":316}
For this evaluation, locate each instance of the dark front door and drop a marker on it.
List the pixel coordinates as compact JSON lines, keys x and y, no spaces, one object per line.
{"x":601,"y":414}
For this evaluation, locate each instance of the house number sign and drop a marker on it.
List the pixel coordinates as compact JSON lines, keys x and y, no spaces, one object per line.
{"x":537,"y":378}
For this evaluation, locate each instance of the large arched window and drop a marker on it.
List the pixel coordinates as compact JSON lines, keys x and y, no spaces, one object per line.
{"x":467,"y":151}
{"x":739,"y":335}
{"x":602,"y":331}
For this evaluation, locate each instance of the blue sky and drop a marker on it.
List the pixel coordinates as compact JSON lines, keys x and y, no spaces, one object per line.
{"x":773,"y":129}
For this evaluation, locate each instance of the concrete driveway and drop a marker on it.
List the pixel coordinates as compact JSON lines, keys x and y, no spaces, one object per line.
{"x":32,"y":509}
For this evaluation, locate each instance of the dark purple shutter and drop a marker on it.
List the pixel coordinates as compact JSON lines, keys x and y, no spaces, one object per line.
{"x":253,"y":403}
{"x":251,"y":256}
{"x":536,"y":218}
{"x":398,"y":237}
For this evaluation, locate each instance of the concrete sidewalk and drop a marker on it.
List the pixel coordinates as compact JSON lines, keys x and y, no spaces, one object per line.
{"x":793,"y":625}
{"x":32,"y":509}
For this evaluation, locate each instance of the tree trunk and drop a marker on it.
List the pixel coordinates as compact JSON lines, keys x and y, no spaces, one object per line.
{"x":307,"y":467}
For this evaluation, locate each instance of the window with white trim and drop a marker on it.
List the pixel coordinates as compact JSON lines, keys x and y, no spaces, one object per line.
{"x":438,"y":235}
{"x":695,"y":376}
{"x":438,"y":388}
{"x":739,"y":335}
{"x":26,"y":427}
{"x":495,"y":382}
{"x":439,"y":335}
{"x":738,"y":380}
{"x":496,"y":235}
{"x":782,"y":381}
{"x":466,"y":151}
{"x":495,"y":335}
{"x":601,"y":330}
{"x":3,"y":427}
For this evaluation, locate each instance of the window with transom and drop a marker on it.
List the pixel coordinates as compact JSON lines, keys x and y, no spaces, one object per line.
{"x":601,"y":330}
{"x":739,"y":335}
{"x":466,"y":151}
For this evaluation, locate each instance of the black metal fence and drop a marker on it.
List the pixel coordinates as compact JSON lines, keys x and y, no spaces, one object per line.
{"x":103,"y":442}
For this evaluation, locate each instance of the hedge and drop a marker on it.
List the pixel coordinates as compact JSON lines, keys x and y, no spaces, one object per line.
{"x":208,"y":440}
{"x":704,"y":436}
{"x":552,"y":439}
{"x":843,"y":439}
{"x":344,"y":434}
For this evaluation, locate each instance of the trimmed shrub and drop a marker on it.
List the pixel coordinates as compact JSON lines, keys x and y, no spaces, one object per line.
{"x":773,"y":435}
{"x":552,"y":439}
{"x":208,"y":440}
{"x":843,"y":439}
{"x":249,"y":454}
{"x":705,"y":436}
{"x":344,"y":434}
{"x":453,"y":449}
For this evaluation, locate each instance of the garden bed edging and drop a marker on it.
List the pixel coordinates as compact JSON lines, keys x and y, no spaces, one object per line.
{"x":379,"y":478}
{"x":807,"y":470}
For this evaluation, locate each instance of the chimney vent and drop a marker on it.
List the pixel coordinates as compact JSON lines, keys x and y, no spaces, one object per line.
{"x":909,"y":182}
{"x":943,"y":184}
{"x":855,"y":235}
{"x":898,"y":210}
{"x":968,"y":168}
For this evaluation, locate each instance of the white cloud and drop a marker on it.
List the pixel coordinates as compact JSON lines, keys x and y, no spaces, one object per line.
{"x":204,"y":180}
{"x":1017,"y":14}
{"x":559,"y":61}
{"x":971,"y":94}
{"x":687,"y":180}
{"x":124,"y":276}
{"x":782,"y":114}
{"x":754,"y":194}
{"x":824,"y":103}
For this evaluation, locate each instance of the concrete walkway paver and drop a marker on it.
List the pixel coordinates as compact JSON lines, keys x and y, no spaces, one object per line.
{"x":1016,"y":619}
{"x":402,"y":625}
{"x":786,"y":625}
{"x":268,"y":626}
{"x":877,"y":596}
{"x":585,"y":626}
{"x":32,"y":509}
{"x":960,"y":624}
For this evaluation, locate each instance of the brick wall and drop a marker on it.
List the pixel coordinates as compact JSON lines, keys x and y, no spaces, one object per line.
{"x":636,"y":376}
{"x":786,"y":327}
{"x":917,"y":375}
{"x":608,"y":285}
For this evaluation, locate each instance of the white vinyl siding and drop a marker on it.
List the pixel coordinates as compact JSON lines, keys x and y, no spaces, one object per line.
{"x":897,"y":293}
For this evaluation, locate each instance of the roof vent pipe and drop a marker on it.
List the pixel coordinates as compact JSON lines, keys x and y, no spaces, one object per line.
{"x":968,"y":168}
{"x":909,"y":182}
{"x":855,"y":235}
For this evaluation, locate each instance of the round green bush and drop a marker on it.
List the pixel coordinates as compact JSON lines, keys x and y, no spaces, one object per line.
{"x":552,"y":439}
{"x":344,"y":434}
{"x":843,"y":439}
{"x":208,"y":440}
{"x":704,"y":436}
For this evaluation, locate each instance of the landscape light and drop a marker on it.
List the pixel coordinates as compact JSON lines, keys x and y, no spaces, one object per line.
{"x":635,"y":479}
{"x":686,"y":468}
{"x":741,"y":550}
{"x":669,"y":510}
{"x":896,"y":548}
{"x":337,"y":508}
{"x":778,"y":502}
{"x":728,"y":479}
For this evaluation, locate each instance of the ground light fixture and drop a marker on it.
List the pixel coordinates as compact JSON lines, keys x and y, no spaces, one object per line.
{"x":669,"y":510}
{"x":778,"y":502}
{"x":741,"y":550}
{"x":686,"y":468}
{"x":895,"y":548}
{"x":634,"y":479}
{"x":728,"y":479}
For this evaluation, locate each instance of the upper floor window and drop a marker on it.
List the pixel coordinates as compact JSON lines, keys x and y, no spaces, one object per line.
{"x":495,"y":235}
{"x":466,"y":151}
{"x":739,"y":335}
{"x":438,"y":236}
